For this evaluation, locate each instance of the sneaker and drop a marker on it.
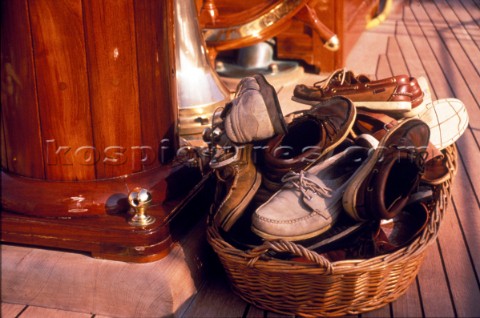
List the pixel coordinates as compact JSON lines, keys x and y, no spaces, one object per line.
{"x":254,"y":113}
{"x":237,"y":180}
{"x":382,"y":186}
{"x":310,"y":200}
{"x":312,"y":134}
{"x":398,"y":93}
{"x":447,"y":119}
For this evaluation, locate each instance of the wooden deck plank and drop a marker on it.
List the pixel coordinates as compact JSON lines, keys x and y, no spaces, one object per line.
{"x":215,"y":299}
{"x":466,"y":201}
{"x":456,"y":257}
{"x":472,"y":7}
{"x":36,"y":312}
{"x":395,"y":58}
{"x":463,"y":283}
{"x":383,"y":67}
{"x":76,"y":282}
{"x":383,"y":312}
{"x":448,"y":42}
{"x":414,"y":63}
{"x":255,"y":312}
{"x":443,"y":86}
{"x":374,"y":42}
{"x":458,"y":28}
{"x":433,"y":285}
{"x":12,"y":310}
{"x":471,"y":25}
{"x":409,"y":304}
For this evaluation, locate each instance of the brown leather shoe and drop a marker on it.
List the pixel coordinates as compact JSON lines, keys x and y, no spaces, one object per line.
{"x":311,"y":136}
{"x":238,"y":181}
{"x":436,"y":169}
{"x":383,"y":185}
{"x":399,"y":93}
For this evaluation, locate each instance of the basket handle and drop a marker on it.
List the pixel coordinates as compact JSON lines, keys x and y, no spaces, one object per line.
{"x":286,"y":246}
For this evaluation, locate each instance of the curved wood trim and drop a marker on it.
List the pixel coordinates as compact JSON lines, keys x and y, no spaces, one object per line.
{"x":80,"y":199}
{"x":253,"y":31}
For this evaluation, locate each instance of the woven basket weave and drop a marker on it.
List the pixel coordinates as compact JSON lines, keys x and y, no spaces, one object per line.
{"x":323,"y":288}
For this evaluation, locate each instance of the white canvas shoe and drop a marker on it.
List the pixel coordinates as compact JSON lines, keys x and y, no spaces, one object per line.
{"x":447,"y":119}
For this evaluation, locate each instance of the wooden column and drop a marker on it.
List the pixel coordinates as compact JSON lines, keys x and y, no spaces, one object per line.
{"x":88,"y":113}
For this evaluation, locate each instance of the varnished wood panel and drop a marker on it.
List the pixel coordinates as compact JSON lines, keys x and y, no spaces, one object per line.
{"x":156,"y":80}
{"x":61,"y":77}
{"x":347,"y":19}
{"x":21,"y":140}
{"x":113,"y":83}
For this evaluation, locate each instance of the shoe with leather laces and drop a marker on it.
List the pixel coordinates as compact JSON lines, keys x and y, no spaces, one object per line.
{"x":310,"y":201}
{"x":382,"y":186}
{"x":311,"y":135}
{"x":400,"y":93}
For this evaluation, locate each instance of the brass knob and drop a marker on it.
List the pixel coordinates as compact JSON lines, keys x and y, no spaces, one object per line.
{"x":140,"y":199}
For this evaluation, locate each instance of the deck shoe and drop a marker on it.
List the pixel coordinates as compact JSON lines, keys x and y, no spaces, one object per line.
{"x":239,"y":180}
{"x":310,"y":200}
{"x":254,"y":113}
{"x":384,"y":237}
{"x":382,"y":186}
{"x":311,"y":135}
{"x":420,"y":108}
{"x":436,"y":169}
{"x":398,"y":93}
{"x":400,"y":231}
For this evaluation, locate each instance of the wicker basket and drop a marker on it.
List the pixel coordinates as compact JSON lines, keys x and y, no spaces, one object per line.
{"x":323,"y":288}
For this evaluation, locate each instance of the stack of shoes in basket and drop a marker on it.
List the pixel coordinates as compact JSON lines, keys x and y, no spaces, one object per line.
{"x":349,"y":177}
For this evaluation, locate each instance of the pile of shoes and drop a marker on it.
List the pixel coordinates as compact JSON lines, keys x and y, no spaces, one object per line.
{"x":351,"y":176}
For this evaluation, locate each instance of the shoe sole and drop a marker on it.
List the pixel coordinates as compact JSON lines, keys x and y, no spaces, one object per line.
{"x":289,"y":238}
{"x":232,"y":217}
{"x":349,"y":198}
{"x":379,"y":106}
{"x":273,"y":105}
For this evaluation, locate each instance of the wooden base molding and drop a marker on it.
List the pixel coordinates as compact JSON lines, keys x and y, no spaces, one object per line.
{"x":77,"y":282}
{"x":39,"y":213}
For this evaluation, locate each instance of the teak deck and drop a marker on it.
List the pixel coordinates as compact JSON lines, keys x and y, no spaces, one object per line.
{"x":440,"y":40}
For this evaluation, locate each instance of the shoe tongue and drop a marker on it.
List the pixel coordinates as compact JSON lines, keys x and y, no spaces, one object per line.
{"x":315,"y":179}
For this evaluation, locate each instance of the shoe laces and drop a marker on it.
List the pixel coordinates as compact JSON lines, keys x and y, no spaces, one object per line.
{"x":303,"y":183}
{"x":338,"y":75}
